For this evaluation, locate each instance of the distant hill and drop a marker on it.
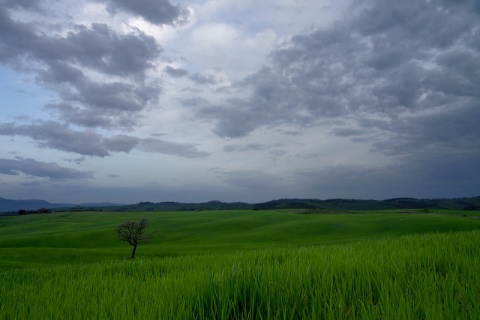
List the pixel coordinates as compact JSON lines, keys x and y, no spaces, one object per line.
{"x":472,"y":203}
{"x":352,"y":204}
{"x":15,"y":205}
{"x":178,"y":206}
{"x":8,"y":205}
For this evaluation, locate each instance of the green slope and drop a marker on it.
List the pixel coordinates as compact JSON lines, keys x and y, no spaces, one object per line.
{"x":84,"y":237}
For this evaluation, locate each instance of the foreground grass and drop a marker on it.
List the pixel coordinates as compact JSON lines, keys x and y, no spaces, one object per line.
{"x":429,"y":276}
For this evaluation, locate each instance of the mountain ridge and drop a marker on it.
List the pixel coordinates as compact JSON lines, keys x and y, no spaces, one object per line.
{"x":9,"y":205}
{"x":470,"y":203}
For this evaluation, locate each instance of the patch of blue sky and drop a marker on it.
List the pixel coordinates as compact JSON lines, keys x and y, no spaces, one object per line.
{"x":20,"y":96}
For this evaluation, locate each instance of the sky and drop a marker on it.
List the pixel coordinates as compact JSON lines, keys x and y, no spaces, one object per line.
{"x":190,"y":101}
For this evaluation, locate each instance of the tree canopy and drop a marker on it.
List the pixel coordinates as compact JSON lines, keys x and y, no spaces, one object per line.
{"x":133,"y":232}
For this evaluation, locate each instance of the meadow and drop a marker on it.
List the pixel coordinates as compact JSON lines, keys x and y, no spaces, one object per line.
{"x":243,"y":265}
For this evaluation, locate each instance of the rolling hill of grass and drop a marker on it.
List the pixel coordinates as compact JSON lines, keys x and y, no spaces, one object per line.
{"x":84,"y":237}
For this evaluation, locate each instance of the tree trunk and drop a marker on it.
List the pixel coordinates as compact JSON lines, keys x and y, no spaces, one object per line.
{"x":133,"y":251}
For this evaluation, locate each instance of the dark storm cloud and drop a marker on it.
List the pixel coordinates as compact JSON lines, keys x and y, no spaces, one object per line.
{"x":50,"y":134}
{"x":31,"y":167}
{"x":172,"y":148}
{"x":253,"y":180}
{"x":435,"y":155}
{"x":403,"y":77}
{"x":202,"y":79}
{"x":65,"y":64}
{"x":379,"y":61}
{"x":88,"y":117}
{"x":235,"y":119}
{"x":243,"y":148}
{"x":176,"y":73}
{"x":101,"y":48}
{"x":451,"y":130}
{"x":79,"y":160}
{"x":347,"y":132}
{"x":91,"y":104}
{"x":97,"y":47}
{"x":154,"y":11}
{"x":24,"y":4}
{"x":14,"y":37}
{"x":422,"y":176}
{"x":195,"y":102}
{"x":121,"y":143}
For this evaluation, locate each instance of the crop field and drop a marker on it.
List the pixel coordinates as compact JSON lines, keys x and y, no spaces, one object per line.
{"x":243,"y":265}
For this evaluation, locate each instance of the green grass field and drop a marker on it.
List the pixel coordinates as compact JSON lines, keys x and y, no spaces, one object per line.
{"x":243,"y":265}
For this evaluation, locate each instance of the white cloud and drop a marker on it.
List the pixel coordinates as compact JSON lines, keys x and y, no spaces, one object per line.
{"x":222,"y":46}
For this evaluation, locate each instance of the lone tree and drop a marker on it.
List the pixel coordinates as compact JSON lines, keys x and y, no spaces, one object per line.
{"x":133,"y":232}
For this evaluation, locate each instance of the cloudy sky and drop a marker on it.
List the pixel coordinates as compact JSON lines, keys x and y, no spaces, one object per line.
{"x":190,"y":101}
